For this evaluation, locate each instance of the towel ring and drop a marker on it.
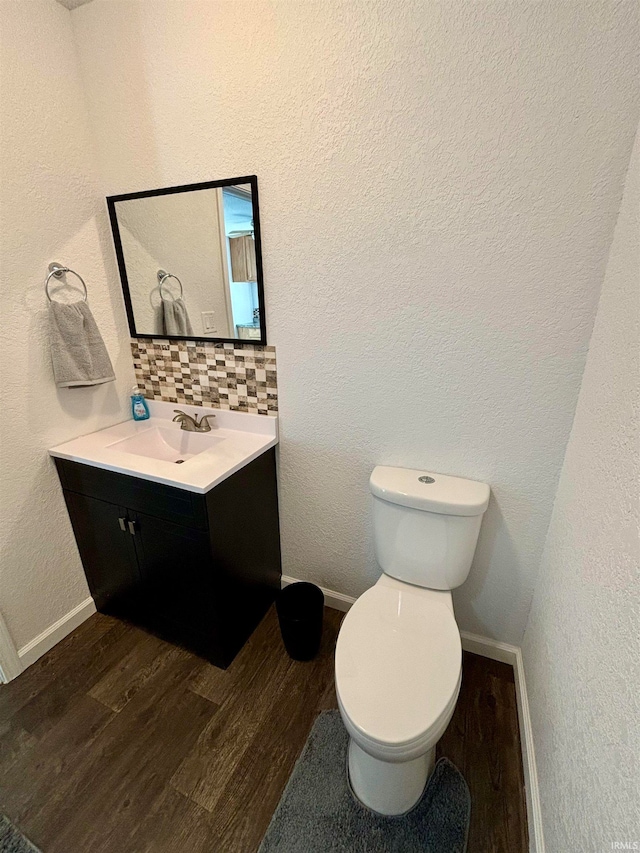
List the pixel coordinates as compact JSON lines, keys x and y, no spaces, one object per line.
{"x":58,"y":271}
{"x":162,"y":277}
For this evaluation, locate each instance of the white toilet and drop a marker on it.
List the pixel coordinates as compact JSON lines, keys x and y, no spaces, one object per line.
{"x":398,"y":655}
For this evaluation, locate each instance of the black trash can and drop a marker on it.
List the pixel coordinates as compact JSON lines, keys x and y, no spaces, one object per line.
{"x":300,"y":609}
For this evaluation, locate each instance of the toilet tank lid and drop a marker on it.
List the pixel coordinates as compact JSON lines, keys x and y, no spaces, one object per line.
{"x":429,"y":492}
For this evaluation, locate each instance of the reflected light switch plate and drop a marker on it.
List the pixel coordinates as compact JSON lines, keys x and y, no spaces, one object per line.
{"x":208,"y":322}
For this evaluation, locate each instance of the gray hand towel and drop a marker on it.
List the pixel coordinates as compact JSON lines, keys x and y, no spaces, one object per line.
{"x":78,"y":352}
{"x":176,"y":318}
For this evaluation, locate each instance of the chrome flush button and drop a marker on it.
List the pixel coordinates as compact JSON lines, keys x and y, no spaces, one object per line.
{"x":425,"y":479}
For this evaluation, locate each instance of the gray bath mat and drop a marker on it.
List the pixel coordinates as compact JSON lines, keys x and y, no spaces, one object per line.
{"x":12,"y":840}
{"x":318,"y":814}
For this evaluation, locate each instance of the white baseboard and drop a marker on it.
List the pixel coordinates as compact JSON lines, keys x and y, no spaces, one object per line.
{"x":54,"y":633}
{"x":505,"y":653}
{"x":10,"y":664}
{"x":488,"y":648}
{"x":532,"y":790}
{"x":332,"y":599}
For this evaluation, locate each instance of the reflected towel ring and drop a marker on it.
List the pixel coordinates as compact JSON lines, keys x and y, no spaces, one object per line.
{"x":162,"y":277}
{"x":58,"y":271}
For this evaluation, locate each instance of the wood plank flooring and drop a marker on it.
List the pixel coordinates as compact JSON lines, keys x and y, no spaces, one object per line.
{"x":483,"y":741}
{"x":117,"y":742}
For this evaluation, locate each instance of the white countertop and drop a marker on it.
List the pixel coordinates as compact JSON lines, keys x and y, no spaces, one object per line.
{"x":241,"y":437}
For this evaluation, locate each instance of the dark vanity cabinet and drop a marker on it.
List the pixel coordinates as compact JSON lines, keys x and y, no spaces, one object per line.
{"x":197,"y":570}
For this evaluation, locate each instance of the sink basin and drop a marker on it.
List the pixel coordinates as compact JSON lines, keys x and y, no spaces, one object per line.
{"x":167,"y":445}
{"x":155,"y":449}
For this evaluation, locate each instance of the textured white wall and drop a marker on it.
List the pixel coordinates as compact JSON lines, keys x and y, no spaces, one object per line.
{"x":581,"y":647}
{"x":439,"y":185}
{"x":50,"y":210}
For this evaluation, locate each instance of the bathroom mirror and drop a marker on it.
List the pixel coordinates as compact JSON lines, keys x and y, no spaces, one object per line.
{"x":190,"y":261}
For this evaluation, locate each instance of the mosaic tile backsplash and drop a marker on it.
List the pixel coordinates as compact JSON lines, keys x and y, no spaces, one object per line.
{"x":225,"y":376}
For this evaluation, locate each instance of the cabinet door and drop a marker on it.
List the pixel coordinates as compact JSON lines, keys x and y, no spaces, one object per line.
{"x":179,"y":584}
{"x":243,"y":258}
{"x":107,"y":551}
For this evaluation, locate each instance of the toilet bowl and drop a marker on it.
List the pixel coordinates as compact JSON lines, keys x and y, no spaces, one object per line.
{"x":398,"y":675}
{"x":398,"y":666}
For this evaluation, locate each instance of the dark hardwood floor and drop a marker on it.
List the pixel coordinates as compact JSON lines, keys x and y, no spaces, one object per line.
{"x":483,"y":741}
{"x":117,"y":742}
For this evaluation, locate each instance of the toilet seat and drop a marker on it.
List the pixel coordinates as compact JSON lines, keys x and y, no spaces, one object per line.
{"x":398,"y":670}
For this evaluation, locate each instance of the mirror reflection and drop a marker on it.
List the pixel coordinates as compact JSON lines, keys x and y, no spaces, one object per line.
{"x":188,"y":261}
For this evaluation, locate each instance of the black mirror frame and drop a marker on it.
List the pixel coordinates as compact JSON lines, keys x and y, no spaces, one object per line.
{"x":207,"y":185}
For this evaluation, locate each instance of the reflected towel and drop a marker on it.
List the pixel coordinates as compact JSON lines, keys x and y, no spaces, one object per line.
{"x":176,"y":318}
{"x":78,"y":352}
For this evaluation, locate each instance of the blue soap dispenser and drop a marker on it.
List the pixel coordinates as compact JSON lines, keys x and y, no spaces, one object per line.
{"x":139,"y":407}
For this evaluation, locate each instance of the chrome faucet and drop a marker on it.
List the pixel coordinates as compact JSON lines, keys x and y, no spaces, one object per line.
{"x":193,"y":424}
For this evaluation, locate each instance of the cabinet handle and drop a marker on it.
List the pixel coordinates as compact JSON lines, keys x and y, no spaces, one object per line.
{"x":132,"y":527}
{"x":123,"y":524}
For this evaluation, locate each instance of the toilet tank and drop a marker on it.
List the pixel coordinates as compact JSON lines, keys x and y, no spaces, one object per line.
{"x":426,"y":526}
